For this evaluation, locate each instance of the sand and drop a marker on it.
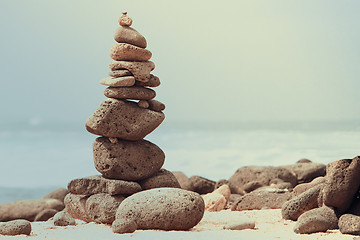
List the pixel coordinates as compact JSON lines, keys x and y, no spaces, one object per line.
{"x":269,"y":225}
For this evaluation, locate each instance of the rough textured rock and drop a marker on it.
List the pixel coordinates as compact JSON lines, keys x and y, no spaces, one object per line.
{"x":349,"y":224}
{"x":15,"y":227}
{"x":63,"y":218}
{"x":156,"y":105}
{"x":251,"y":186}
{"x":262,"y":199}
{"x":125,"y":20}
{"x":304,"y":202}
{"x":58,"y":194}
{"x":317,"y":220}
{"x":123,"y":119}
{"x":102,"y":207}
{"x":264,"y":175}
{"x":303,"y":187}
{"x":125,"y":34}
{"x":140,"y":70}
{"x":27,"y":209}
{"x":143,"y":104}
{"x":99,"y":184}
{"x":342,"y":182}
{"x":129,"y":52}
{"x":202,"y":185}
{"x":120,"y":73}
{"x":75,"y":206}
{"x":163,"y":178}
{"x":218,"y":199}
{"x":134,"y":93}
{"x":162,"y":208}
{"x":233,"y":200}
{"x":307,"y":171}
{"x":127,"y":160}
{"x":184,"y":181}
{"x":45,"y":215}
{"x":154,"y":81}
{"x":241,"y":224}
{"x":126,"y":81}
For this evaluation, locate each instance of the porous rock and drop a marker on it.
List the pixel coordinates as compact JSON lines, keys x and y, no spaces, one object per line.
{"x":342,"y":182}
{"x":156,"y":105}
{"x":161,"y":208}
{"x":264,"y":175}
{"x":140,"y":70}
{"x":154,"y":81}
{"x":123,"y":119}
{"x":241,"y":224}
{"x":304,"y":202}
{"x":233,"y":200}
{"x":63,"y":218}
{"x":99,"y":184}
{"x":125,"y":34}
{"x":15,"y":227}
{"x":127,"y":160}
{"x":317,"y":220}
{"x":45,"y":215}
{"x":129,"y":52}
{"x":307,"y":171}
{"x":143,"y":104}
{"x":76,"y":206}
{"x":163,"y":178}
{"x":58,"y":194}
{"x":218,"y":199}
{"x":134,"y":93}
{"x":202,"y":185}
{"x":120,"y":73}
{"x":303,"y":187}
{"x":184,"y":181}
{"x":126,"y":81}
{"x":27,"y":209}
{"x":349,"y":224}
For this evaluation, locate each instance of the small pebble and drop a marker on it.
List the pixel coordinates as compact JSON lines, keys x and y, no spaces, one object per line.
{"x":241,"y":225}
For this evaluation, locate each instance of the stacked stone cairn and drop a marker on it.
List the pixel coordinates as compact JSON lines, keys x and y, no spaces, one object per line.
{"x":133,"y":191}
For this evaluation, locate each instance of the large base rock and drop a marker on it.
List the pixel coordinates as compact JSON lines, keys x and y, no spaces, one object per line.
{"x":15,"y":227}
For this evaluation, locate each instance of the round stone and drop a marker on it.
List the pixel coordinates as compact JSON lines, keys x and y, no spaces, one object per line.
{"x":129,"y":35}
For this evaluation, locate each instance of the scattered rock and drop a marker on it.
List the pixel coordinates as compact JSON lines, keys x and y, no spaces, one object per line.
{"x":163,"y":178}
{"x":154,"y":81}
{"x":303,"y":187}
{"x":224,"y":190}
{"x":202,"y":185}
{"x":306,"y":171}
{"x":129,"y":52}
{"x":129,"y":35}
{"x":45,"y":215}
{"x":184,"y":181}
{"x":58,"y":194}
{"x":140,"y":70}
{"x":123,"y":119}
{"x":143,"y":104}
{"x":75,"y":206}
{"x":27,"y":209}
{"x":342,"y":182}
{"x":349,"y":224}
{"x":304,"y":202}
{"x":99,"y":184}
{"x":15,"y":227}
{"x":218,"y":199}
{"x":156,"y":105}
{"x":221,"y":182}
{"x":127,"y":160}
{"x":63,"y":218}
{"x":317,"y":220}
{"x":233,"y":200}
{"x":251,"y":186}
{"x":162,"y":208}
{"x":241,"y":224}
{"x":126,"y":81}
{"x":134,"y":93}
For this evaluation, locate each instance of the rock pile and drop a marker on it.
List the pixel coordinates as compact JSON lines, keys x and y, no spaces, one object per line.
{"x":129,"y":164}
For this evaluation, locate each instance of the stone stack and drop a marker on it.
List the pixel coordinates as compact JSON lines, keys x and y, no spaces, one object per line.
{"x":128,"y":164}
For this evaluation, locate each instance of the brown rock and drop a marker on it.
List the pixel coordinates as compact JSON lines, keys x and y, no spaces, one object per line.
{"x":298,"y":189}
{"x":218,"y":199}
{"x":120,"y":73}
{"x":63,"y":218}
{"x":349,"y":224}
{"x":123,"y":119}
{"x":307,"y":171}
{"x":161,"y":208}
{"x":184,"y":181}
{"x":317,"y":220}
{"x":99,"y":184}
{"x":156,"y":105}
{"x":202,"y":185}
{"x":75,"y":206}
{"x":251,"y":186}
{"x":58,"y":194}
{"x":342,"y":182}
{"x":126,"y":81}
{"x":45,"y":215}
{"x":154,"y":81}
{"x":135,"y":93}
{"x":163,"y":178}
{"x":27,"y":209}
{"x":127,"y":160}
{"x":241,"y":224}
{"x":306,"y":201}
{"x":129,"y":52}
{"x":140,"y":70}
{"x":143,"y":104}
{"x":233,"y":200}
{"x":125,"y":34}
{"x":15,"y":227}
{"x":125,"y":20}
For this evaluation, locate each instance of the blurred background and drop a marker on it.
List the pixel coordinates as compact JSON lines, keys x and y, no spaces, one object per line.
{"x":244,"y":83}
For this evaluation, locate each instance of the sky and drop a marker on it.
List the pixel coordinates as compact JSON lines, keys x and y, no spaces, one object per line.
{"x":217,"y":60}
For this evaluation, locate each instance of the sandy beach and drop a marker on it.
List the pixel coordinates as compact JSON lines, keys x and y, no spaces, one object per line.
{"x":269,"y":225}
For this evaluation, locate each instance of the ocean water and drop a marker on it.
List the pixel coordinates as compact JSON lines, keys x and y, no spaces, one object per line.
{"x":36,"y":160}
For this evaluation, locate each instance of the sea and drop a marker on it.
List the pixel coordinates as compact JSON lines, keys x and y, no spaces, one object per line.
{"x":36,"y":159}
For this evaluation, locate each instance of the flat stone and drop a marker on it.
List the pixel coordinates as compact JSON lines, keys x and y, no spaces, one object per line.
{"x":306,"y":171}
{"x":342,"y":182}
{"x":184,"y":181}
{"x":120,"y":73}
{"x":316,"y":220}
{"x":134,"y":93}
{"x":127,"y":160}
{"x":45,"y":215}
{"x":27,"y":209}
{"x":349,"y":224}
{"x":123,"y":119}
{"x":63,"y":218}
{"x":202,"y":185}
{"x":125,"y":34}
{"x":140,"y":70}
{"x":303,"y":187}
{"x":163,"y":178}
{"x":129,"y":52}
{"x":126,"y":81}
{"x":161,"y":208}
{"x":304,"y":202}
{"x":241,"y":224}
{"x":99,"y":184}
{"x":15,"y":227}
{"x":58,"y":194}
{"x":156,"y":105}
{"x":154,"y":81}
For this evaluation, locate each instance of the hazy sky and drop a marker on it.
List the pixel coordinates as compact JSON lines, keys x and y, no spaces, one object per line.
{"x":217,"y":60}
